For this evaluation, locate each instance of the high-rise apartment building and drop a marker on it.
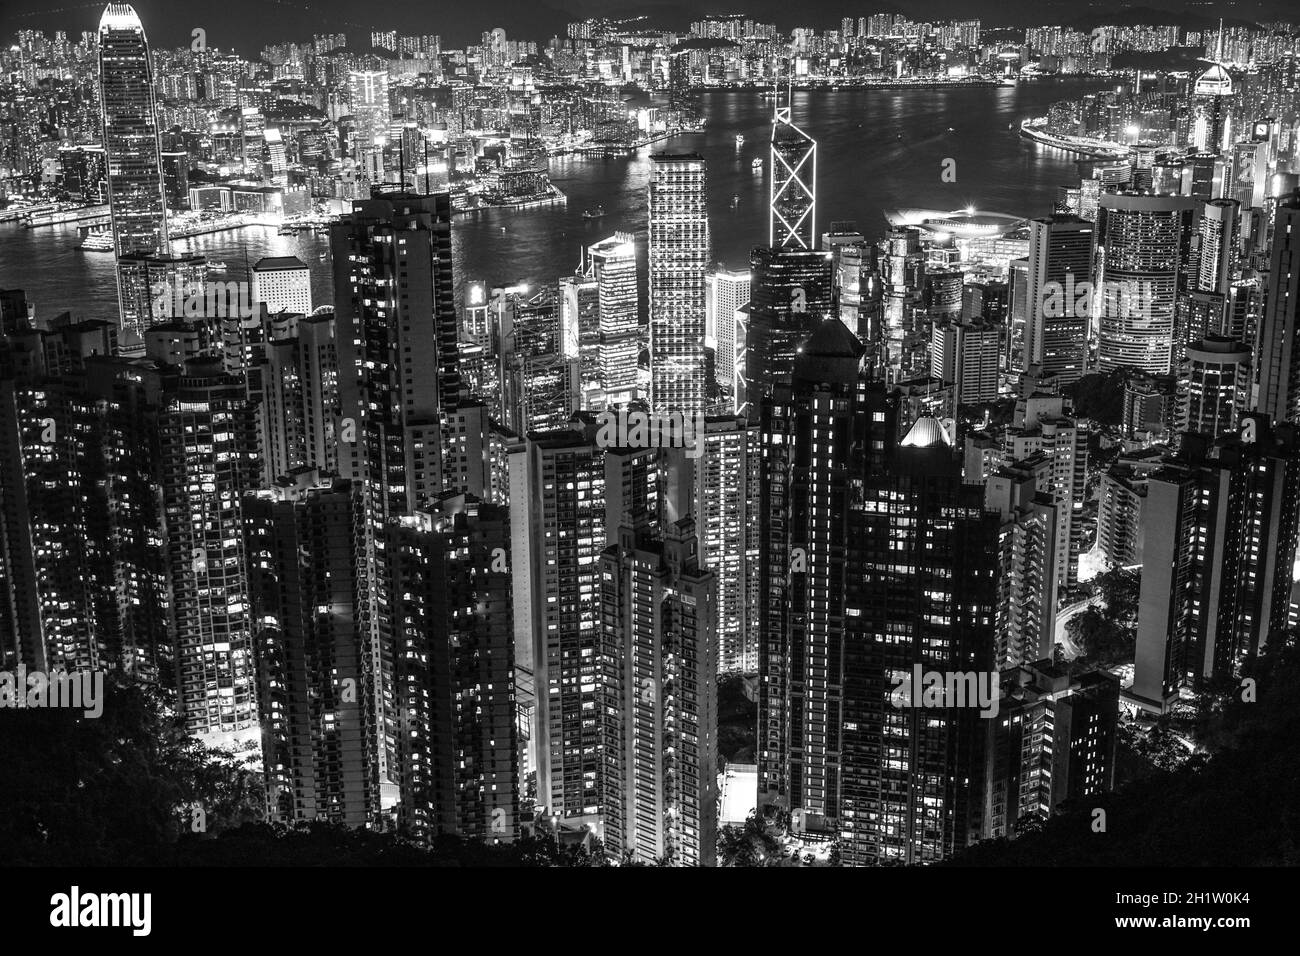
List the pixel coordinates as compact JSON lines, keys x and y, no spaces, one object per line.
{"x":1053,"y":741}
{"x":300,"y":385}
{"x":727,"y":477}
{"x":660,"y":656}
{"x":395,"y":327}
{"x":302,"y":541}
{"x":557,"y":495}
{"x":1277,"y":377}
{"x":1219,"y":529}
{"x":1214,"y":387}
{"x":451,"y":627}
{"x":1027,"y":545}
{"x":210,"y":453}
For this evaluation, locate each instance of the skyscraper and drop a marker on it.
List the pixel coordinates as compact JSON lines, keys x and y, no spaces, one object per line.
{"x":368,"y":94}
{"x":283,"y":283}
{"x":876,"y":558}
{"x":1054,"y":742}
{"x":135,"y":187}
{"x":210,"y":461}
{"x":1213,"y":389}
{"x":1219,"y":542}
{"x":302,"y":540}
{"x":1027,"y":545}
{"x":557,"y":499}
{"x":679,"y":258}
{"x":451,"y":627}
{"x":791,"y":291}
{"x":1142,"y":262}
{"x":1278,"y":372}
{"x":300,"y":379}
{"x":395,"y":324}
{"x":726,"y":292}
{"x":726,"y":522}
{"x":660,"y":655}
{"x":613,"y":264}
{"x":792,"y":195}
{"x":1055,"y":327}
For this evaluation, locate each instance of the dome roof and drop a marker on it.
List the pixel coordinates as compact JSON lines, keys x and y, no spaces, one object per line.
{"x":926,"y":432}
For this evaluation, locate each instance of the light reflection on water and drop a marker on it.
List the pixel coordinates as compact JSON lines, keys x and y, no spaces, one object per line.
{"x":863,"y":167}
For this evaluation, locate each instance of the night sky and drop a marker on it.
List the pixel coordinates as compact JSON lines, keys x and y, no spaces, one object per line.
{"x":246,"y":25}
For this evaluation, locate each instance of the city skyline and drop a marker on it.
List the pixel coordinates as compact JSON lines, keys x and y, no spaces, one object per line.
{"x":909,"y":542}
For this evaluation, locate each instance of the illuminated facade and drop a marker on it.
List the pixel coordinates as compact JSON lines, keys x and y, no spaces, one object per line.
{"x":875,"y":558}
{"x":679,"y":258}
{"x":399,"y":373}
{"x":1060,"y":250}
{"x":660,"y":656}
{"x":209,"y":461}
{"x":726,"y":292}
{"x":613,"y":265}
{"x":301,"y":541}
{"x":1142,"y":261}
{"x":726,"y":520}
{"x":135,"y":186}
{"x":454,"y":670}
{"x":792,"y":193}
{"x":558,"y":512}
{"x":1219,"y":540}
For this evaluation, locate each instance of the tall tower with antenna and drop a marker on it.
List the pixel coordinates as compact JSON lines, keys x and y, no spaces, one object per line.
{"x":792,"y":210}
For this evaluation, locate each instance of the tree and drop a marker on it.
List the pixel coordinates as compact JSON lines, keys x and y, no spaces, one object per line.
{"x":1099,"y":397}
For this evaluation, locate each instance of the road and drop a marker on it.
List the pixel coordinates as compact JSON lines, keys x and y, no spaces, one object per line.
{"x":1063,"y":617}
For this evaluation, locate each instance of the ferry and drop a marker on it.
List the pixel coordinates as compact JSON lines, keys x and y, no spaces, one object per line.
{"x":217,"y":265}
{"x":596,"y":213}
{"x":96,"y":242}
{"x":740,"y":139}
{"x":757,"y":163}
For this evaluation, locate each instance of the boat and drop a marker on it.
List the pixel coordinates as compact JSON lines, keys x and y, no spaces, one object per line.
{"x":217,"y":265}
{"x":96,"y":242}
{"x":324,"y":256}
{"x":757,"y":163}
{"x":740,"y":139}
{"x":1007,"y":81}
{"x":735,"y":200}
{"x":596,"y":213}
